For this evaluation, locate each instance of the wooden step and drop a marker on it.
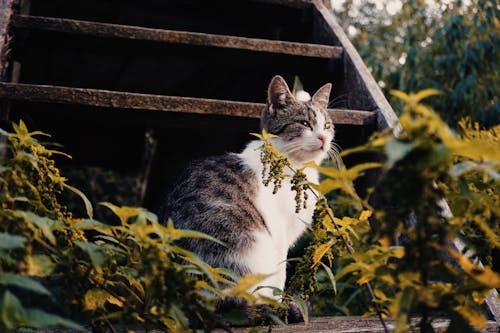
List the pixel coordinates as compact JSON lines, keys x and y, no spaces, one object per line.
{"x":288,"y":3}
{"x":135,"y":101}
{"x":176,"y":37}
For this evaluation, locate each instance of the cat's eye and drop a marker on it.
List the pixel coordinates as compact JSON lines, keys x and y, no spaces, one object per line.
{"x":306,"y":123}
{"x":328,"y":125}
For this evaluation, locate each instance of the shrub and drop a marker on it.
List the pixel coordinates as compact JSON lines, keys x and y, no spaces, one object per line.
{"x":401,"y":241}
{"x":59,"y":270}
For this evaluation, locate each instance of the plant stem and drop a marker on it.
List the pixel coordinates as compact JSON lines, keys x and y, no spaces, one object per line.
{"x":46,"y":245}
{"x":351,"y":252}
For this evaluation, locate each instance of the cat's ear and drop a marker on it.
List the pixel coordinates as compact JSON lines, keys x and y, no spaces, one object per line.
{"x":322,"y":97}
{"x":278,"y":94}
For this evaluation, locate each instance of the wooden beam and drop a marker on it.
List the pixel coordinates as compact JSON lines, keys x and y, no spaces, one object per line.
{"x":135,"y":101}
{"x":289,"y":3}
{"x":176,"y":37}
{"x":6,"y":14}
{"x":360,"y":78}
{"x":350,"y":324}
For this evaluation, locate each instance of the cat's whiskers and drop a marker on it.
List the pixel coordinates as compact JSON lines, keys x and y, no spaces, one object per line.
{"x":334,"y":155}
{"x":301,"y":146}
{"x":293,"y":146}
{"x":335,"y":144}
{"x":224,"y":197}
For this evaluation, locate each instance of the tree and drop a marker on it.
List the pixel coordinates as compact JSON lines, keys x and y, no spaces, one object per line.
{"x":449,"y":47}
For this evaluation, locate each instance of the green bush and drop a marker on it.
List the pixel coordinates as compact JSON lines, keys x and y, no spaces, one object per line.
{"x":58,"y":270}
{"x":399,"y":241}
{"x":389,"y":254}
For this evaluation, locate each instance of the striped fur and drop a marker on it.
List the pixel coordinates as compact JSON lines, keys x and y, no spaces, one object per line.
{"x":223,"y":196}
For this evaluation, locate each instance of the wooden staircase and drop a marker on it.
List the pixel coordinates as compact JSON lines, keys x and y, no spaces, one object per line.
{"x":100,"y":75}
{"x":142,"y":86}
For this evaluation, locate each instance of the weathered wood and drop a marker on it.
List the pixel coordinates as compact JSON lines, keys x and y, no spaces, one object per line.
{"x":6,"y":13}
{"x":359,"y":78}
{"x":125,"y":100}
{"x":148,"y":154}
{"x":353,"y":324}
{"x":340,"y":324}
{"x":289,"y":3}
{"x":179,"y":37}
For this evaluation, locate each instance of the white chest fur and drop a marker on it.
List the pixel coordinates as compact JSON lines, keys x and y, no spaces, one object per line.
{"x":284,"y":224}
{"x":278,"y":209}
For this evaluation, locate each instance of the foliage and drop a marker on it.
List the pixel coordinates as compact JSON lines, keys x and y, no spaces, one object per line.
{"x":481,"y":199}
{"x":54,"y":266}
{"x":409,"y":261}
{"x":134,"y":272}
{"x":99,"y":184}
{"x":448,"y":46}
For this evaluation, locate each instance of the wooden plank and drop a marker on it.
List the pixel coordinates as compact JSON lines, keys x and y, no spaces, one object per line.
{"x":173,"y":36}
{"x":289,"y":3}
{"x":352,"y":117}
{"x":338,"y":324}
{"x":6,"y":14}
{"x":126,"y":100}
{"x":354,"y":324}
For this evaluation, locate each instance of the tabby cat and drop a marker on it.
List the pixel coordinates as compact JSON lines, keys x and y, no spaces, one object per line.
{"x":224,"y":196}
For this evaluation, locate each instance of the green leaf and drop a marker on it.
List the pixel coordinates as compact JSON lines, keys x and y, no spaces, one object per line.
{"x":328,"y":185}
{"x":397,"y":150}
{"x":402,"y":307}
{"x":124,"y":213}
{"x":12,"y":312}
{"x":302,"y":308}
{"x":355,"y":171}
{"x":171,"y":232}
{"x":244,"y":284}
{"x":86,"y":201}
{"x":96,"y":298}
{"x":426,"y":93}
{"x":40,"y":265}
{"x":264,"y":136}
{"x":131,"y":275}
{"x":460,"y":168}
{"x":194,"y":259}
{"x":8,"y":241}
{"x":472,"y":315}
{"x":24,"y":282}
{"x":484,"y":275}
{"x":236,"y":317}
{"x":459,"y":324}
{"x":40,"y":319}
{"x":179,"y":316}
{"x":464,"y":167}
{"x":13,"y":316}
{"x":320,"y":251}
{"x":401,"y":95}
{"x":275,"y":319}
{"x":44,"y":224}
{"x":90,"y":224}
{"x":331,"y":276}
{"x":276,"y":291}
{"x":94,"y":251}
{"x":352,"y":267}
{"x":6,"y":258}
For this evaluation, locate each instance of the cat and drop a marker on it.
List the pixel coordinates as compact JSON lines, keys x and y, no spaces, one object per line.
{"x":224,"y":196}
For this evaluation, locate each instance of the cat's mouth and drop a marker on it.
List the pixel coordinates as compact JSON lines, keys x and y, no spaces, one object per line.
{"x":315,"y":150}
{"x":320,"y":147}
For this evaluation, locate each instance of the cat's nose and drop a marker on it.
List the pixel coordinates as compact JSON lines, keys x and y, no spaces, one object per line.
{"x":322,"y":138}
